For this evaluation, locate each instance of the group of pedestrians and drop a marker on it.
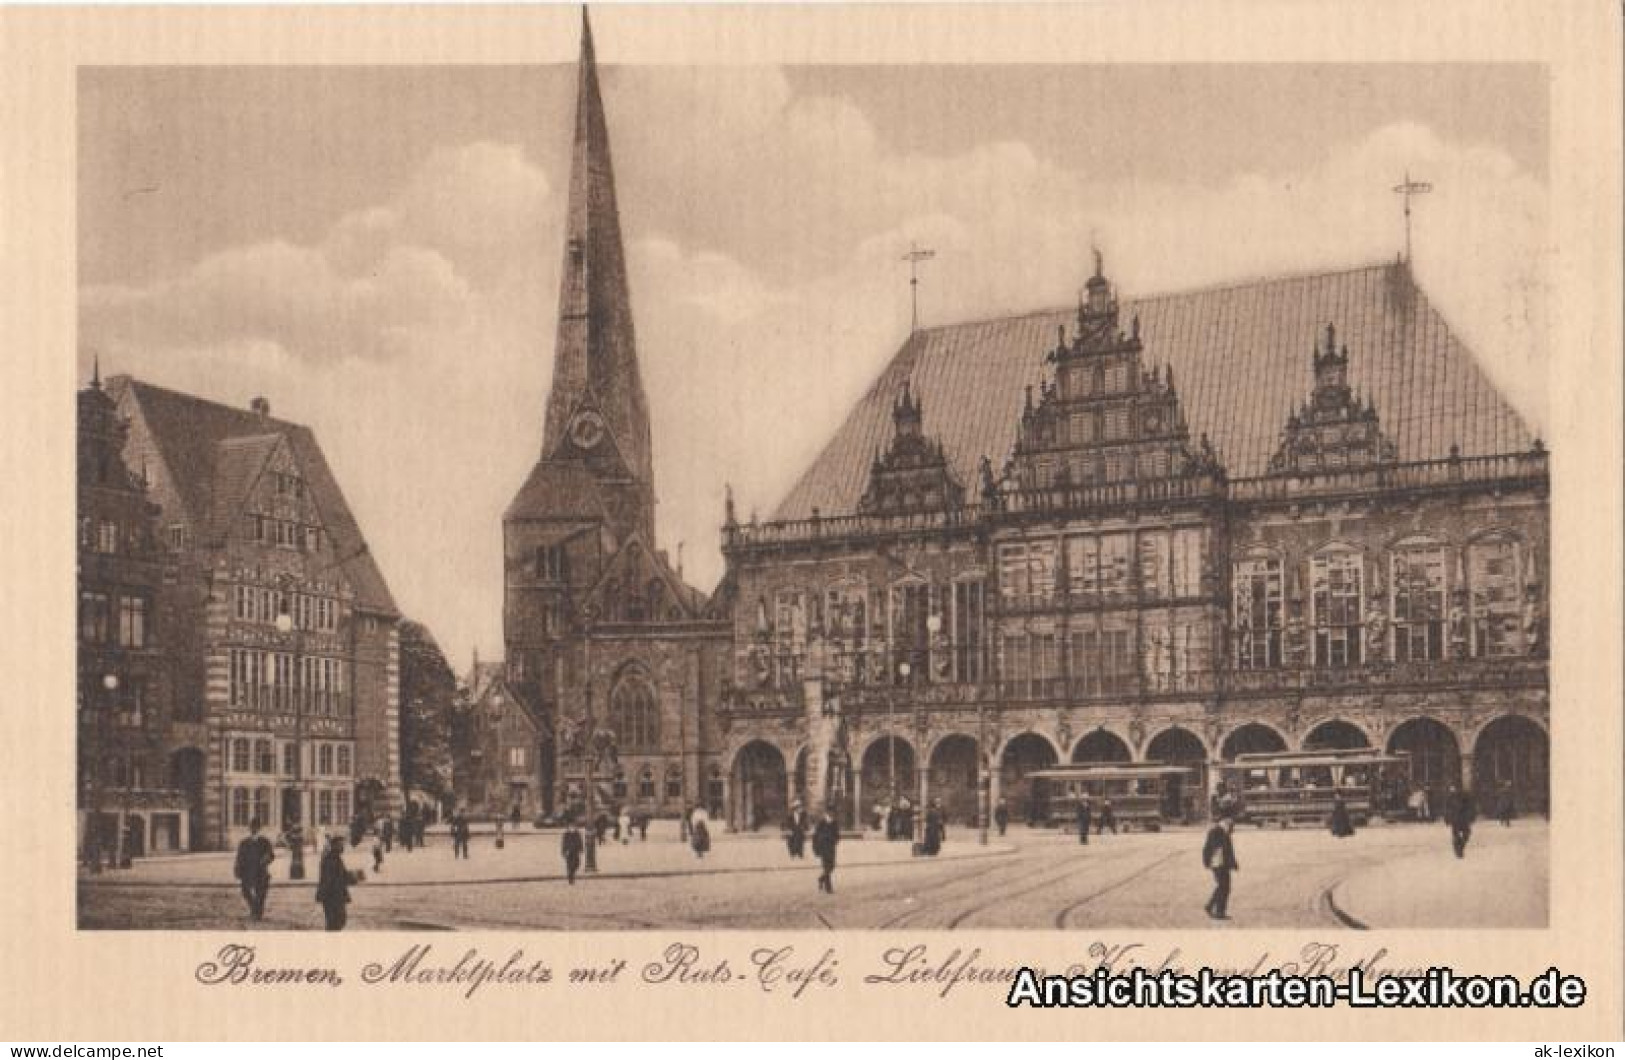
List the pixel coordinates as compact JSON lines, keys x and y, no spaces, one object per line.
{"x":1087,"y":817}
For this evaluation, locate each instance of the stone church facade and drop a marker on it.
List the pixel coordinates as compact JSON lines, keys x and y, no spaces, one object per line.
{"x":1277,"y":515}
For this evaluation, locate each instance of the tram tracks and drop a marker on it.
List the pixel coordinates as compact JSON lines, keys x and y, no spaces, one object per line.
{"x":1065,"y":914}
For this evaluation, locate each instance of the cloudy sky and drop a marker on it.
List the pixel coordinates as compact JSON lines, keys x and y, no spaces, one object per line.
{"x":375,"y":250}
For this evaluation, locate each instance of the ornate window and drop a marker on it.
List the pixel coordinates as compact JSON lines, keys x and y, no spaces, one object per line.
{"x":239,"y":807}
{"x":1156,"y":572}
{"x":674,"y":782}
{"x":634,"y":715}
{"x":789,"y":637}
{"x":1496,"y":596}
{"x":1416,"y":577}
{"x":968,"y":632}
{"x":1337,"y":606}
{"x":262,"y":804}
{"x":240,"y":755}
{"x":344,"y":760}
{"x":263,"y":761}
{"x":646,"y":784}
{"x":1257,"y":613}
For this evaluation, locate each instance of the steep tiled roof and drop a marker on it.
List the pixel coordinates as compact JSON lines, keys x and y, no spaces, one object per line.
{"x":208,"y":449}
{"x":1241,"y":357}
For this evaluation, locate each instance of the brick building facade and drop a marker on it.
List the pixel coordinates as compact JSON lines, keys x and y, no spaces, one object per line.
{"x":132,"y":799}
{"x":279,"y":633}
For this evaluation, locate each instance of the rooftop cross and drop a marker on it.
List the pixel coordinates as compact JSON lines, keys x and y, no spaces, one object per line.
{"x":914,"y":256}
{"x":1407,"y":189}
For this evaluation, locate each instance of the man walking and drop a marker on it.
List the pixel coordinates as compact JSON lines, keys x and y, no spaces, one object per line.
{"x":1458,"y":814}
{"x":826,"y":836}
{"x":1001,"y":816}
{"x":571,"y":845}
{"x":386,"y":832}
{"x":459,"y":836}
{"x":1108,"y":819}
{"x":253,"y":869}
{"x":1083,"y":819}
{"x":333,"y":885}
{"x":1219,"y":855}
{"x":795,"y":831}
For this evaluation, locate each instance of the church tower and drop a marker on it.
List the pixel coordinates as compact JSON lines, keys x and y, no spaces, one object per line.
{"x":590,"y":496}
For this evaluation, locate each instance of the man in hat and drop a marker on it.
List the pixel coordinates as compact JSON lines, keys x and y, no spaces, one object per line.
{"x":826,"y":835}
{"x":571,"y":845}
{"x":1219,"y":855}
{"x":796,"y":831}
{"x":333,"y":885}
{"x":253,"y":869}
{"x":1458,"y":814}
{"x":1084,"y":818}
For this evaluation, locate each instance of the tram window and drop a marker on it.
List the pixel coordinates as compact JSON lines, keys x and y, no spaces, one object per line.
{"x":1317,"y":777}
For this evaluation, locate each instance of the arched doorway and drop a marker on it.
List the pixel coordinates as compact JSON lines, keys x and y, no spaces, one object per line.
{"x":1023,"y":755}
{"x":1252,"y":739}
{"x":759,"y":786}
{"x":1435,"y":758}
{"x":954,"y":775}
{"x":1184,"y":796}
{"x":1101,"y":746}
{"x":1514,"y":752}
{"x":186,"y":774}
{"x":1335,"y":735}
{"x":887,"y":772}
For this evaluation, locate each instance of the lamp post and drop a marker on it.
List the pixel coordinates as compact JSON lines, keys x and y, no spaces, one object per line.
{"x":903,"y":670}
{"x":110,"y":683}
{"x":296,"y":833}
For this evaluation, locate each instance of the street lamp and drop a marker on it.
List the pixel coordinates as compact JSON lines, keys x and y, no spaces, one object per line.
{"x":296,"y":833}
{"x":110,"y":682}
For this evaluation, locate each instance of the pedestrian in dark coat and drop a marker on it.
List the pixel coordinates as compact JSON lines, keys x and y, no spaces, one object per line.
{"x":1458,"y":814}
{"x":1085,"y":811}
{"x":253,"y":869}
{"x":935,"y":830}
{"x":1219,"y":855}
{"x":377,"y":857}
{"x":571,"y":845}
{"x":1108,"y":819}
{"x":1342,"y":825}
{"x":700,"y":838}
{"x":513,"y":815}
{"x":1001,"y":816}
{"x":795,"y":831}
{"x":826,"y":837}
{"x":333,"y":886}
{"x":459,"y":836}
{"x":358,"y":828}
{"x":387,"y":833}
{"x":1504,"y":810}
{"x":643,"y":828}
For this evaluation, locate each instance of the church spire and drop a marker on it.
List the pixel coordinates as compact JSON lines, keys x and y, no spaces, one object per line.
{"x":595,"y":363}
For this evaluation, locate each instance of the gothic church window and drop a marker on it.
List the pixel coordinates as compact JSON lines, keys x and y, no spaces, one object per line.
{"x":634,"y":715}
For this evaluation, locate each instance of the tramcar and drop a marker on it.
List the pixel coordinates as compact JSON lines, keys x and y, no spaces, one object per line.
{"x":1298,"y":787}
{"x":1144,"y":795}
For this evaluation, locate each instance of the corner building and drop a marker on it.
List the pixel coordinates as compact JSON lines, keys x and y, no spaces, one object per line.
{"x":1289,"y":514}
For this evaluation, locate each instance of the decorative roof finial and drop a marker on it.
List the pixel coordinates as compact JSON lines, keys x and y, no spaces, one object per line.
{"x":96,"y":369}
{"x":1100,"y":267}
{"x":728,"y":518}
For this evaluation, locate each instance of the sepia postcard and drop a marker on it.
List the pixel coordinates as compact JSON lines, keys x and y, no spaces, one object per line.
{"x":803,"y":521}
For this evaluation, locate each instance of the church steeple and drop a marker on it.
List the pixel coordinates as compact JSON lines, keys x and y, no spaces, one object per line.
{"x":596,"y":461}
{"x":595,"y":363}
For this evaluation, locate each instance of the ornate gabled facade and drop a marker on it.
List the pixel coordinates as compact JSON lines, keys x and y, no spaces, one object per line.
{"x":280,"y":630}
{"x":1244,"y":559}
{"x":609,"y":652}
{"x":1334,"y":429}
{"x":914,"y":474}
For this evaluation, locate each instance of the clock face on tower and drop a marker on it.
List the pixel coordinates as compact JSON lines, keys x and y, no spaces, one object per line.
{"x":587,"y":430}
